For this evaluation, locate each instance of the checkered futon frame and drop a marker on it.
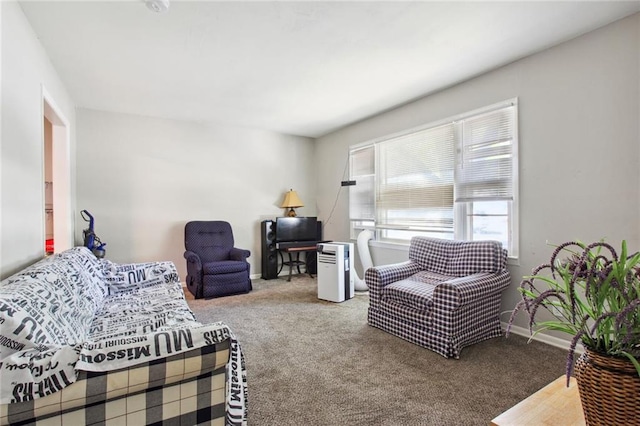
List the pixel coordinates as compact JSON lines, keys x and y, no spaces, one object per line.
{"x":183,"y":389}
{"x":437,"y":308}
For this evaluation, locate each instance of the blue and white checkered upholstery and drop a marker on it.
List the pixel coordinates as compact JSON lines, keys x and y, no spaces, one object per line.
{"x":447,"y":296}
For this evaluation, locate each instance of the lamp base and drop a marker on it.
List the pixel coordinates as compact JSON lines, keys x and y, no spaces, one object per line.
{"x":291,"y":213}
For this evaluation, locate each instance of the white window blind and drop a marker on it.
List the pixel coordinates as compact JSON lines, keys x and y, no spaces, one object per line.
{"x":485,"y":157}
{"x":415,"y":180}
{"x":361,"y":195}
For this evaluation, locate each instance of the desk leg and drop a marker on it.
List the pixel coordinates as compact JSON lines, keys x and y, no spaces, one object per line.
{"x":290,"y":266}
{"x":281,"y":263}
{"x":298,"y":262}
{"x":306,"y":264}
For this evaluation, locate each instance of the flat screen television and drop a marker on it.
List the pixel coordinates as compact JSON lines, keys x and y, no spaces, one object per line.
{"x":296,"y":229}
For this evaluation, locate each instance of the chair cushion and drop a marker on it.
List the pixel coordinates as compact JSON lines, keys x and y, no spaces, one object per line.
{"x":217,"y":253}
{"x":416,"y":291}
{"x":456,"y":258}
{"x":431,"y":254}
{"x":224,"y":267}
{"x":472,"y":257}
{"x":210,"y":240}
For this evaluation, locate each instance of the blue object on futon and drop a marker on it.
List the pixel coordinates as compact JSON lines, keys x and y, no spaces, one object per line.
{"x":214,"y":266}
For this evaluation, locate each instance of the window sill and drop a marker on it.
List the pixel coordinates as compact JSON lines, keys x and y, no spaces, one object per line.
{"x":389,"y":246}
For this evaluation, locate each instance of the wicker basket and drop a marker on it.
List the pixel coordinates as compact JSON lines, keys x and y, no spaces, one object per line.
{"x":609,"y":389}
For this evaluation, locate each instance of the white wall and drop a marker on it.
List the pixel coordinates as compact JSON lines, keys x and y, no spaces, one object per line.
{"x":25,"y":70}
{"x":144,"y":178}
{"x":579,"y":143}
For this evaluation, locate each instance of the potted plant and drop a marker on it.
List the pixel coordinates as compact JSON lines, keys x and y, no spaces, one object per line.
{"x":592,"y":294}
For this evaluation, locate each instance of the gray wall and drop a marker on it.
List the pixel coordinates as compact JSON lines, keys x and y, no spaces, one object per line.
{"x":579,"y":144}
{"x":26,"y":69}
{"x":143,"y":178}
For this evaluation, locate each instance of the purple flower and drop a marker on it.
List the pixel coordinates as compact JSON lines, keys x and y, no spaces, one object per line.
{"x":592,"y":293}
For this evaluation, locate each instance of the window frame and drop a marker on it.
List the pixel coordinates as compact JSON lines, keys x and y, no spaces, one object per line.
{"x":461,"y":210}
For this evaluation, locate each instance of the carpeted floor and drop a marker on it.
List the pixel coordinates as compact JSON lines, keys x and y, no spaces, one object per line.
{"x":311,"y":362}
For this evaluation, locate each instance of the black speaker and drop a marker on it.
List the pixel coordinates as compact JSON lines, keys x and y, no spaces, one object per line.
{"x":312,"y":258}
{"x":269,"y":252}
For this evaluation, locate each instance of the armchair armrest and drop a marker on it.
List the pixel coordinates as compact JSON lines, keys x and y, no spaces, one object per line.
{"x":193,"y":260}
{"x":462,"y":291}
{"x":378,"y":277}
{"x":239,"y":254}
{"x":194,"y":264}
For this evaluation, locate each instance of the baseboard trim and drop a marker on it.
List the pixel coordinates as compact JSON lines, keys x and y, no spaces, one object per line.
{"x":253,"y":277}
{"x":544,"y":338}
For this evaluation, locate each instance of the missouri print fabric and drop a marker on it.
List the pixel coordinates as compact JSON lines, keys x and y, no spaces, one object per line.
{"x":72,"y":312}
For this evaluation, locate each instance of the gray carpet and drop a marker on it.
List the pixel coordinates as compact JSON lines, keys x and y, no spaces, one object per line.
{"x":311,"y":362}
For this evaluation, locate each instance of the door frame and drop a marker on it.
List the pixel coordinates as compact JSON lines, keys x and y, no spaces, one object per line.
{"x":63,"y":218}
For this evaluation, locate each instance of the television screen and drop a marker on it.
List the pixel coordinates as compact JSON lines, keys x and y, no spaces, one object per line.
{"x":296,"y":229}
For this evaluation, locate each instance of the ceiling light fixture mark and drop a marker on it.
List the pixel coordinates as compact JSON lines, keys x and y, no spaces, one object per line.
{"x":158,"y":6}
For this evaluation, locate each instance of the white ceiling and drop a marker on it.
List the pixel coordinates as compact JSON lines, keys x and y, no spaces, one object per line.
{"x":303,"y":68}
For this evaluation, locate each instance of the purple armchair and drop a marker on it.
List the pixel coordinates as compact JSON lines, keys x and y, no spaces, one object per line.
{"x":214,"y":266}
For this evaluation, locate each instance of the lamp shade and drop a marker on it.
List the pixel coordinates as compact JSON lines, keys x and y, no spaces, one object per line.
{"x":291,"y":200}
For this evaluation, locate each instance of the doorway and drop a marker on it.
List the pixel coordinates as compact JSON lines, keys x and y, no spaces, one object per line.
{"x":58,"y":218}
{"x":48,"y":187}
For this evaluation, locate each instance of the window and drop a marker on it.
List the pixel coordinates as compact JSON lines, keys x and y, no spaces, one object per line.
{"x":361,"y":196}
{"x":455,"y":179}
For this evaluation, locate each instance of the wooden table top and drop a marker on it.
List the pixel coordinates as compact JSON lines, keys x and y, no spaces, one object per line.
{"x":295,"y":249}
{"x":553,"y":405}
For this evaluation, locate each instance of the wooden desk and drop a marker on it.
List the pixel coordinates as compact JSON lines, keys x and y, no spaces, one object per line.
{"x":553,"y":405}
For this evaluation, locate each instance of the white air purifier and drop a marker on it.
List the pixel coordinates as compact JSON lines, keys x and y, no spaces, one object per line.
{"x":336,"y":274}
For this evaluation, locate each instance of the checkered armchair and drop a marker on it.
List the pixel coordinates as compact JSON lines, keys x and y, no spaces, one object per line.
{"x":214,"y":266}
{"x":445,"y":297}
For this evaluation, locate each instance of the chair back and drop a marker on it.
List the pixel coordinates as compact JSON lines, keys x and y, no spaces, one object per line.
{"x":457,"y":258}
{"x":210,"y":240}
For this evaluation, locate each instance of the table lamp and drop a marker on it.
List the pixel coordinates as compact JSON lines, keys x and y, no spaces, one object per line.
{"x":291,"y":201}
